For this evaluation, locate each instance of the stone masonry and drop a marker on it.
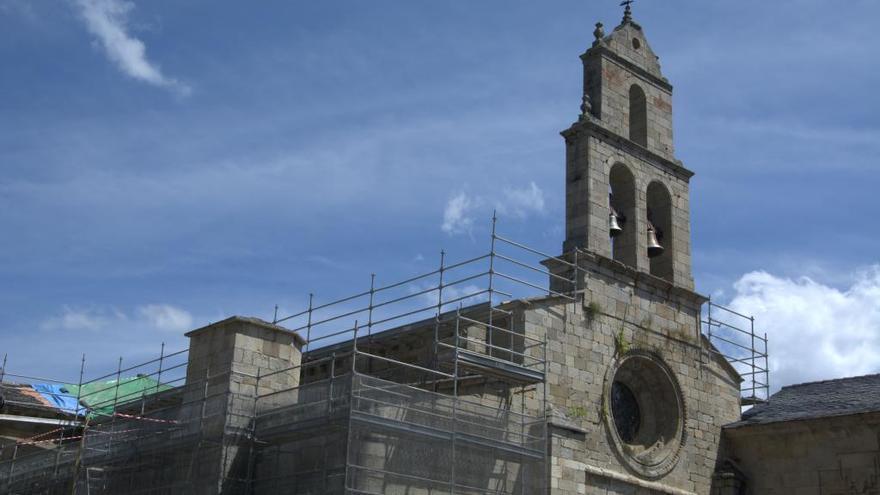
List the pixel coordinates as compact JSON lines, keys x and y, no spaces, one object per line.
{"x":225,"y":359}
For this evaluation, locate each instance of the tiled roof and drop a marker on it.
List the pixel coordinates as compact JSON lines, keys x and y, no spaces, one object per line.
{"x":22,"y":396}
{"x":814,"y":400}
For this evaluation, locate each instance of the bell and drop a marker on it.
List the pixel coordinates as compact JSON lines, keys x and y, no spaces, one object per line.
{"x":614,"y":219}
{"x":613,"y":225}
{"x":654,"y":247}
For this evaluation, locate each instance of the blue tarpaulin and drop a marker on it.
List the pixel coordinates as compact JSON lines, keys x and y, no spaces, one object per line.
{"x":58,"y":396}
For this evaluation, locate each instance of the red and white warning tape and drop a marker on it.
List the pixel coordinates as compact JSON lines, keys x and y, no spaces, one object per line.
{"x":143,"y":418}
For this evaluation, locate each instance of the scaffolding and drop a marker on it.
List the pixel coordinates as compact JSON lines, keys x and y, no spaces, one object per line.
{"x":390,"y":398}
{"x":733,"y":336}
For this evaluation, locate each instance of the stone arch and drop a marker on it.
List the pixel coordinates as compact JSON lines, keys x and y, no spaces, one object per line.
{"x":622,"y":200}
{"x":659,"y":215}
{"x":638,"y":115}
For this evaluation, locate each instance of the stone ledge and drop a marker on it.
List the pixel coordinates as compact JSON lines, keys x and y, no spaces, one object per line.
{"x":565,"y":424}
{"x":632,"y":480}
{"x":596,"y":128}
{"x":628,"y":275}
{"x":249,"y":320}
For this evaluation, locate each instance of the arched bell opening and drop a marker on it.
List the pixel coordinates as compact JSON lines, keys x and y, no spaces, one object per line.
{"x":658,"y":231}
{"x":622,"y":217}
{"x":638,"y":115}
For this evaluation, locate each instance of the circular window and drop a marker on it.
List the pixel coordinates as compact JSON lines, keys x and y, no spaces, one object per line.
{"x":645,"y":413}
{"x":636,"y":44}
{"x":627,"y":416}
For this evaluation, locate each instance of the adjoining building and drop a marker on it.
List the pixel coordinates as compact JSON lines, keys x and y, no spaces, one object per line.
{"x":821,"y":437}
{"x":597,"y":371}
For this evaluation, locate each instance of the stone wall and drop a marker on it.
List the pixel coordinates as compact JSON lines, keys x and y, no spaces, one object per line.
{"x":836,"y":456}
{"x":621,"y":313}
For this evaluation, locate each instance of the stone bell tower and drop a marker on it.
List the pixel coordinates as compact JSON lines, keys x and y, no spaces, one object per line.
{"x":638,"y":394}
{"x":620,"y":158}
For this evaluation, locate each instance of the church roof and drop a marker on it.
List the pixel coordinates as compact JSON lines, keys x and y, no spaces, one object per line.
{"x":841,"y":397}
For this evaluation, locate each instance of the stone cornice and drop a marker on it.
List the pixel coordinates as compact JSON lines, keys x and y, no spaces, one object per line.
{"x":632,"y":480}
{"x":639,"y":278}
{"x":594,"y":127}
{"x":248,"y":320}
{"x":565,"y":424}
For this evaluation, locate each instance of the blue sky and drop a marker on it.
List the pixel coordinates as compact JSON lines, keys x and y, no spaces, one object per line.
{"x":167,"y":164}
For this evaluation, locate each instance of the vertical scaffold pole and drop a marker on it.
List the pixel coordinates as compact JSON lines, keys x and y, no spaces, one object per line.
{"x":253,"y":436}
{"x":11,"y":476}
{"x":754,"y":370}
{"x":3,"y":368}
{"x":161,"y":360}
{"x":82,"y":367}
{"x":455,"y":396}
{"x":522,"y":437}
{"x":82,"y":364}
{"x":436,"y":350}
{"x":767,"y":365}
{"x":370,"y":307}
{"x":332,"y":377}
{"x":354,"y":348}
{"x":709,"y":320}
{"x":83,"y":433}
{"x":324,"y":449}
{"x":275,"y":315}
{"x":115,"y":400}
{"x":546,"y":369}
{"x":309,"y":324}
{"x":491,"y":279}
{"x":348,"y":447}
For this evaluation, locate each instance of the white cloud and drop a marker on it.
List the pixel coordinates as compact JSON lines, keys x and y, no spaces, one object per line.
{"x":107,"y":20}
{"x":521,"y":202}
{"x":162,"y":317}
{"x":167,"y":318}
{"x":514,"y":202}
{"x":816,"y":331}
{"x":453,"y":295}
{"x":457,"y":217}
{"x":89,"y":319}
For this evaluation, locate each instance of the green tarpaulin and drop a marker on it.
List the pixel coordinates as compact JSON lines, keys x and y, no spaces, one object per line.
{"x":100,"y":397}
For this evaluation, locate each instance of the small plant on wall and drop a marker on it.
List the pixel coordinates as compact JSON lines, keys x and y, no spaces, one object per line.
{"x":621,"y":344}
{"x":577,"y":412}
{"x":592,"y":310}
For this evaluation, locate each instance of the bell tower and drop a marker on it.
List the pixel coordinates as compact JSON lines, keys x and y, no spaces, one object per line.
{"x":627,"y":196}
{"x":638,"y":394}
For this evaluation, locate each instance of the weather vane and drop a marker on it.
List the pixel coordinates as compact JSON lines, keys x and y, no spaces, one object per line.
{"x":627,"y":14}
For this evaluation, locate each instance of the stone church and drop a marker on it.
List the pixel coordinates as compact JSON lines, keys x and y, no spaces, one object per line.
{"x":608,"y":382}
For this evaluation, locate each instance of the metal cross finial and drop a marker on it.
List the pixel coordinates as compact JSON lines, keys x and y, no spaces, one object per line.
{"x":627,"y":13}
